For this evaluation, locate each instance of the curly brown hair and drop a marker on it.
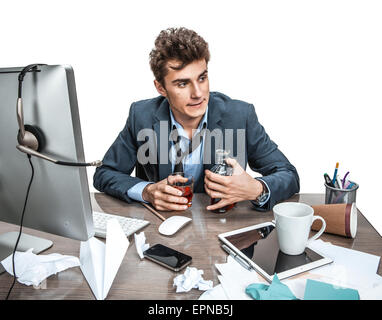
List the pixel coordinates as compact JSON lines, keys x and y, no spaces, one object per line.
{"x":179,"y":44}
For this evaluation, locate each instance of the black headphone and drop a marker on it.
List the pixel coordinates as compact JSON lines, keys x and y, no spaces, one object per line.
{"x":31,"y":139}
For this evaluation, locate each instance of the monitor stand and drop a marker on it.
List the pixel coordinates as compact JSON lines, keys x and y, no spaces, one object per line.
{"x":8,"y":241}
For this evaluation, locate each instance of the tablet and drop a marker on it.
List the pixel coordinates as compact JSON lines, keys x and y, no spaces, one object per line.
{"x":258,"y":246}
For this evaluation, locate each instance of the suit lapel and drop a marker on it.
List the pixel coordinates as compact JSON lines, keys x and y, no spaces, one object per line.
{"x":161,"y":127}
{"x":215,"y":111}
{"x":214,"y":122}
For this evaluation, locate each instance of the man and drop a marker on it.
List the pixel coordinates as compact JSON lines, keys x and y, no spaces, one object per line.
{"x":187,"y":108}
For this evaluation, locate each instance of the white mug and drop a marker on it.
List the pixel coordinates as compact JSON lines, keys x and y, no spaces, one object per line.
{"x":293,"y":222}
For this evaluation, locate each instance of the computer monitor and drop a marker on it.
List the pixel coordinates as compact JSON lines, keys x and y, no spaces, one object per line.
{"x":59,"y":199}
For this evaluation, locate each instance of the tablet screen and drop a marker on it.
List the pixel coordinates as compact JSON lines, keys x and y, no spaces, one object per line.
{"x":261,"y":246}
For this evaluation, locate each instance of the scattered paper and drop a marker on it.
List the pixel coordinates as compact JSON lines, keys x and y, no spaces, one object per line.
{"x":232,"y":289}
{"x":192,"y":278}
{"x":235,"y":278}
{"x":374,"y":293}
{"x":297,"y":286}
{"x":216,"y":293}
{"x":140,"y":243}
{"x":100,"y":262}
{"x":32,"y":269}
{"x":350,"y":268}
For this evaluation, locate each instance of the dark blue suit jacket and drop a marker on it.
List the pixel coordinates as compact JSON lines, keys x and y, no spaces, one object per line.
{"x":261,"y":153}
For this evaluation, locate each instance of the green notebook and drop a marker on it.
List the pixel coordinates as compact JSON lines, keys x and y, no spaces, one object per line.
{"x":316,"y":290}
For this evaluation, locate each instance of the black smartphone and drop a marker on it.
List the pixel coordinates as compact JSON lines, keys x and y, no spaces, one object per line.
{"x":167,"y":257}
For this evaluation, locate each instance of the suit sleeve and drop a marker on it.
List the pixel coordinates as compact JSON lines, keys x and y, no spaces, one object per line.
{"x":113,"y":177}
{"x":264,"y":157}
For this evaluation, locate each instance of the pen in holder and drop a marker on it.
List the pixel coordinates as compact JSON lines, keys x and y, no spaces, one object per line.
{"x":337,"y":195}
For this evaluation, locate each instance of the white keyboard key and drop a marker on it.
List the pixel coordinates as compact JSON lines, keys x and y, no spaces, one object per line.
{"x":128,"y":225}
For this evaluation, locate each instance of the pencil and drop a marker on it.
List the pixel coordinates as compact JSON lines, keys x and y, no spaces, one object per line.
{"x":335,"y":174}
{"x":153,"y":211}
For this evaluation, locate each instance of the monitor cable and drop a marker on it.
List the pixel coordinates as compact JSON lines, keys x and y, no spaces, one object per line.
{"x":21,"y":228}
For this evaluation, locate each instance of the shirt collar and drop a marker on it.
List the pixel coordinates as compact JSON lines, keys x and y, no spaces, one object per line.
{"x":180,"y":128}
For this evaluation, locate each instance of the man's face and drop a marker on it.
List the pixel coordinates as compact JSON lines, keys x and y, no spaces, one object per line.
{"x":187,"y":90}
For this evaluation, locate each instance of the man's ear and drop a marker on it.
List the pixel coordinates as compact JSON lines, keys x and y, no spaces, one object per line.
{"x":161,"y":90}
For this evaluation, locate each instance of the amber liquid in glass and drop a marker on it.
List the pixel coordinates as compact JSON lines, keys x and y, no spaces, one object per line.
{"x":186,"y":192}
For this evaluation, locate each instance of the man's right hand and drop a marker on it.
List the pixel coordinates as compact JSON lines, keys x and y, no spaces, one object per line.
{"x":164,"y":197}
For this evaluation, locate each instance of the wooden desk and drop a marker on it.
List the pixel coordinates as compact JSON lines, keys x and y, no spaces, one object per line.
{"x":143,"y":279}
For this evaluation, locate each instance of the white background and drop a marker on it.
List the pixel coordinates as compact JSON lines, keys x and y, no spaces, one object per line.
{"x":313,"y":70}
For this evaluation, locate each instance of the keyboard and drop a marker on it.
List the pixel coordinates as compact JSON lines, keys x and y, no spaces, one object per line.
{"x":129,"y":225}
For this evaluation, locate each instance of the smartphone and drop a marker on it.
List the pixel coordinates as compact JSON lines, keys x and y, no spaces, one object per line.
{"x":167,"y":257}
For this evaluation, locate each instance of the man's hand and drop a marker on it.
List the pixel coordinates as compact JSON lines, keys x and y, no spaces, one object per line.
{"x":231,"y":189}
{"x":164,"y":197}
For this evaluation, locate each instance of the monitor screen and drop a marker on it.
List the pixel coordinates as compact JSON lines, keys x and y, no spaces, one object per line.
{"x":59,"y":199}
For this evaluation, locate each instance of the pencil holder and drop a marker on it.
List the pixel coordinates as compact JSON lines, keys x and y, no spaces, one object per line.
{"x":336,"y":195}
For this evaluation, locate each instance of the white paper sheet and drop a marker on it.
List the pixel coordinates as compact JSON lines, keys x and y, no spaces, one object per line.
{"x":140,"y":243}
{"x":235,"y":278}
{"x":374,"y":293}
{"x":32,"y":269}
{"x":232,"y":289}
{"x":216,"y":293}
{"x":350,"y":268}
{"x":100,"y":262}
{"x":297,"y":286}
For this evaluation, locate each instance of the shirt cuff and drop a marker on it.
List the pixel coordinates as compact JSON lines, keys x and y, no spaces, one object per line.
{"x":135,"y":192}
{"x":262,"y":203}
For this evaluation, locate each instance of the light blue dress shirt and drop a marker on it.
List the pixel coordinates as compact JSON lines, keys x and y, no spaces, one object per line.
{"x":192,"y":163}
